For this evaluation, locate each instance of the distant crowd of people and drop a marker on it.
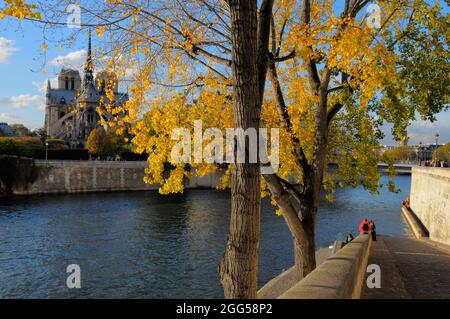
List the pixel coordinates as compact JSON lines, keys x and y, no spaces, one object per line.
{"x":436,"y":163}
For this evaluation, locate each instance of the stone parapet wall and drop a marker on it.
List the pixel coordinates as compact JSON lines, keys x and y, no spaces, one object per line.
{"x":60,"y":177}
{"x":430,"y":201}
{"x":341,"y":276}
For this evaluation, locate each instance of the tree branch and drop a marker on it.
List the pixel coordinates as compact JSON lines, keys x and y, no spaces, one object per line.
{"x":286,"y":57}
{"x":333,"y":111}
{"x":310,"y":63}
{"x":291,"y":189}
{"x":265,"y":16}
{"x":297,"y":149}
{"x":213,"y":57}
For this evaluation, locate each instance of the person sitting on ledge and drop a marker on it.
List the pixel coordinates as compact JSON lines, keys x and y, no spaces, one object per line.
{"x":364,"y":227}
{"x":406,"y":202}
{"x":349,"y":238}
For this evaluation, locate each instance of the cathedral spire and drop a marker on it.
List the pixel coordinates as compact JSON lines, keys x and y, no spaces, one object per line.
{"x":48,"y":92}
{"x":89,"y":68}
{"x":89,"y":45}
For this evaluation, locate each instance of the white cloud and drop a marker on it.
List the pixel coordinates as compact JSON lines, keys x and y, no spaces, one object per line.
{"x":73,"y":60}
{"x":7,"y":49}
{"x":424,"y":131}
{"x":42,"y":85}
{"x":24,"y":101}
{"x":7,"y":117}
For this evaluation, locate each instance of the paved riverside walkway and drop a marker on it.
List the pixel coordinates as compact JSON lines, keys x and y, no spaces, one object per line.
{"x":410,"y":268}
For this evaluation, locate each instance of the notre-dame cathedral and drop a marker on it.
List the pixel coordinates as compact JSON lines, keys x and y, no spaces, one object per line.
{"x":71,"y":109}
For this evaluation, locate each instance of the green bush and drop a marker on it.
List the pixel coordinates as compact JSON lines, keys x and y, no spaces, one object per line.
{"x":55,"y":144}
{"x":19,"y":146}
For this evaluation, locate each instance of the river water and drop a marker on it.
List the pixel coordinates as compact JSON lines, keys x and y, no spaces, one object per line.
{"x":143,"y":245}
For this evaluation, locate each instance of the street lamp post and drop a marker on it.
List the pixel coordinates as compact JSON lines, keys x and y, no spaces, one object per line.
{"x":46,"y":153}
{"x":437,"y":139}
{"x":420,"y":153}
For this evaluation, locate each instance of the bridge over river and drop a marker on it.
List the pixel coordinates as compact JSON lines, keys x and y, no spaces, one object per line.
{"x":400,"y":169}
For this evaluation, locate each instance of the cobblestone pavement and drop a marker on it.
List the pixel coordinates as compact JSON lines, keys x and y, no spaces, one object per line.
{"x":410,"y":268}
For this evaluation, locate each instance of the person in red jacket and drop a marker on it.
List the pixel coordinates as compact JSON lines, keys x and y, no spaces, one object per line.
{"x":364,"y":227}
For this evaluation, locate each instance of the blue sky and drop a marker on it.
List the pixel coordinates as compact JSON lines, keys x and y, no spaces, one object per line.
{"x":22,"y":81}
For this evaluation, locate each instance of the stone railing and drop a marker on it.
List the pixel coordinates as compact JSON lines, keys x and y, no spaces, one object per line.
{"x":340,"y":277}
{"x":416,"y":226}
{"x":284,"y":281}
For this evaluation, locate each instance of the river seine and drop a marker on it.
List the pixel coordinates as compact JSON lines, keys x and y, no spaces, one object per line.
{"x":144,"y":245}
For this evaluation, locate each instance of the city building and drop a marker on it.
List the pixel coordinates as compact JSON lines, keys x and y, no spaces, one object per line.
{"x":6,"y":130}
{"x":71,"y":108}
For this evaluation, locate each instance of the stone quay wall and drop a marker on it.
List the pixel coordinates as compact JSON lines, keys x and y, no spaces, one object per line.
{"x":430,"y":201}
{"x":63,"y":177}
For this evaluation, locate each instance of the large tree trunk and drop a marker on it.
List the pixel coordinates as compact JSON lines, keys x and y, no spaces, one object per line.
{"x":239,"y":266}
{"x":305,"y":245}
{"x":302,"y":224}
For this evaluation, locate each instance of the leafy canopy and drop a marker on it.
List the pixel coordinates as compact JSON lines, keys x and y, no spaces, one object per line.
{"x":19,"y":9}
{"x":177,"y":56}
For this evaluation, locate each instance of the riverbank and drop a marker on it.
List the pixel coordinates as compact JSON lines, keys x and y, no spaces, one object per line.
{"x":71,"y":177}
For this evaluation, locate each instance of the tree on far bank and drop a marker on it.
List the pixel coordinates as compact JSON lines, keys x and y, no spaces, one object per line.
{"x":20,"y":130}
{"x":442,"y":153}
{"x":401,"y":153}
{"x":99,"y":142}
{"x":104,"y":143}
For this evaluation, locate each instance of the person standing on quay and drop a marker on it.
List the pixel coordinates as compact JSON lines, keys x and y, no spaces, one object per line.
{"x":373,"y":230}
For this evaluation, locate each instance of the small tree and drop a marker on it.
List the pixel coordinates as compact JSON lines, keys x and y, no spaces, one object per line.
{"x":97,"y":142}
{"x":442,"y":153}
{"x":401,"y":153}
{"x":20,"y":130}
{"x":102,"y":143}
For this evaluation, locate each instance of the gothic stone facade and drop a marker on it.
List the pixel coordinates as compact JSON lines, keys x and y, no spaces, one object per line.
{"x":71,"y":108}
